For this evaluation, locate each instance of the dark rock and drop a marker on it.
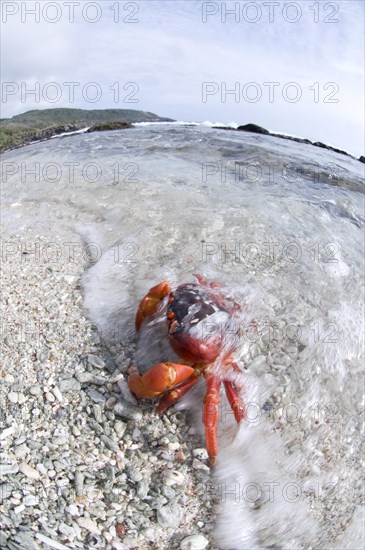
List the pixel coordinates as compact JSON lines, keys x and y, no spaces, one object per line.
{"x":259,"y":130}
{"x":105,"y":126}
{"x":253,"y":128}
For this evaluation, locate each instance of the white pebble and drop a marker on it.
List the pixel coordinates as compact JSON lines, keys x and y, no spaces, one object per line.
{"x":19,"y":509}
{"x":13,"y":397}
{"x":41,"y":468}
{"x":57,"y":394}
{"x":200,"y":453}
{"x":119,"y":428}
{"x":72,"y":510}
{"x":76,"y":431}
{"x":173,"y":477}
{"x":50,"y":397}
{"x":7,"y":432}
{"x":61,"y":440}
{"x":194,"y":542}
{"x":30,"y":500}
{"x":197,"y":465}
{"x":89,"y":525}
{"x":21,"y":398}
{"x":29,"y":471}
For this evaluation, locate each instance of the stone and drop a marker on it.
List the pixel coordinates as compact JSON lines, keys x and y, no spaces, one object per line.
{"x":194,"y":542}
{"x":29,"y":471}
{"x":89,"y":525}
{"x":173,"y":477}
{"x":253,"y":128}
{"x":69,"y":384}
{"x":169,"y":515}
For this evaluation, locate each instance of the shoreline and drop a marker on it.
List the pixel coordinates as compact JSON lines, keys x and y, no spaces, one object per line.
{"x":63,"y":131}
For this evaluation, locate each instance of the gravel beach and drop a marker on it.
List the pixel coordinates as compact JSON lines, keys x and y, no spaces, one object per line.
{"x":81,"y":467}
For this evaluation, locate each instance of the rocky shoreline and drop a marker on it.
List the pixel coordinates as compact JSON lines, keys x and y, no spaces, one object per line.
{"x":254,"y":128}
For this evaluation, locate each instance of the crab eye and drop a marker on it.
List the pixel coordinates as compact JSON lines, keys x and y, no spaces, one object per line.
{"x":170,"y":315}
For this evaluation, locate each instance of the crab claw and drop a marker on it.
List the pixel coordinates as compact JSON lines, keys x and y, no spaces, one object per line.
{"x":158,"y":379}
{"x":150,"y":303}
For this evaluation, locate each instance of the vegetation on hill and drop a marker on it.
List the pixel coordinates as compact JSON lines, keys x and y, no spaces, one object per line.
{"x":43,"y":124}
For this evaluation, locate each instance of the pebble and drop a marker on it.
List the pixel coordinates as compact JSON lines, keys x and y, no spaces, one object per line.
{"x":69,"y":384}
{"x":8,"y":469}
{"x":29,"y":471}
{"x":173,"y":477}
{"x":96,"y":396}
{"x":35,"y":390}
{"x":143,"y":488}
{"x":60,"y":440}
{"x":127,"y":410}
{"x":168,"y":492}
{"x":30,"y":500}
{"x":41,"y":468}
{"x":57,"y":393}
{"x":98,"y":413}
{"x":76,"y":432}
{"x":90,"y":378}
{"x":110,"y":403}
{"x":169,"y":515}
{"x":7,"y":432}
{"x":89,"y":525}
{"x":5,"y":491}
{"x":13,"y":397}
{"x":79,"y":483}
{"x":197,"y":465}
{"x":120,"y":428}
{"x":50,"y":542}
{"x":201,"y":453}
{"x":19,"y":509}
{"x":50,"y":397}
{"x":133,"y":474}
{"x":21,"y":398}
{"x":110,"y":444}
{"x":194,"y":542}
{"x":72,"y":510}
{"x":95,"y":361}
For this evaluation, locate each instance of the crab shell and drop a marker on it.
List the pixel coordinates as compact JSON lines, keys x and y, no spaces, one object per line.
{"x":195,"y":318}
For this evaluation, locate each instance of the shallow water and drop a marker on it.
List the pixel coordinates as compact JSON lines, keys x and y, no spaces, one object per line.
{"x":281,"y":225}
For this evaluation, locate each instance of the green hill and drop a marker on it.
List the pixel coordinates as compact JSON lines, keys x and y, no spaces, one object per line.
{"x":43,"y":124}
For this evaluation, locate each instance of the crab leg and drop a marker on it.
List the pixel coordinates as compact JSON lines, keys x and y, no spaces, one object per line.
{"x":233,"y":390}
{"x":235,"y":400}
{"x":158,"y":379}
{"x":210,"y":415}
{"x":175,"y":394}
{"x":150,"y":303}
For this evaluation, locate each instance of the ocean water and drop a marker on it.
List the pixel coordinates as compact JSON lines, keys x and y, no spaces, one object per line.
{"x":281,"y":226}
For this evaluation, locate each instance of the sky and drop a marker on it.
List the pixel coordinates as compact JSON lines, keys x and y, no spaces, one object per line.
{"x":292,"y":67}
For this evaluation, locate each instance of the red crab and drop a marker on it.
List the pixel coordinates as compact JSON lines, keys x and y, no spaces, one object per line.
{"x":190,"y":307}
